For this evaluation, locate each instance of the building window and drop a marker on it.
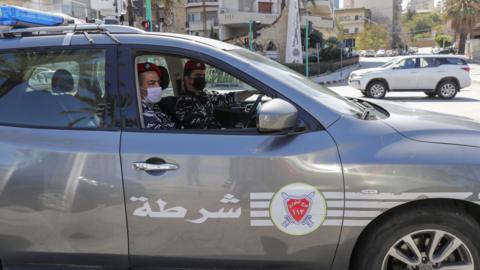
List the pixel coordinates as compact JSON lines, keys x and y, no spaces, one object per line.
{"x":264,"y":7}
{"x":357,"y":17}
{"x":194,"y":17}
{"x":356,"y":30}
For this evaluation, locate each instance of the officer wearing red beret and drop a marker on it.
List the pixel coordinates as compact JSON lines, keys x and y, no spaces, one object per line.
{"x":194,"y":109}
{"x":151,"y":93}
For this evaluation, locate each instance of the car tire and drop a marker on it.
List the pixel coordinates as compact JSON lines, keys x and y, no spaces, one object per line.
{"x":431,"y":94}
{"x":377,"y":89}
{"x":447,"y":89}
{"x":364,"y":93}
{"x":385,"y":244}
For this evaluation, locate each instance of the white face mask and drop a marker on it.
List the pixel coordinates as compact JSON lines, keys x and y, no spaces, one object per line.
{"x":154,"y":95}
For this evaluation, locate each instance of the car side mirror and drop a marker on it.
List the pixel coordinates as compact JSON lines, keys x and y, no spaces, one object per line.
{"x":277,"y":115}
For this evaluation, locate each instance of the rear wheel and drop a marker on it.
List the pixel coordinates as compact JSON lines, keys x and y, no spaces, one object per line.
{"x":377,"y":89}
{"x":431,"y":94}
{"x":447,"y":89}
{"x":422,"y":239}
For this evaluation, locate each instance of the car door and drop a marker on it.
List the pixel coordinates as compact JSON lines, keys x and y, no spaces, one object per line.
{"x":429,"y":73}
{"x":220,"y":198}
{"x":404,"y":75}
{"x":61,"y":193}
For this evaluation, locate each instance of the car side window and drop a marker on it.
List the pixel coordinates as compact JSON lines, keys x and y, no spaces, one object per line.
{"x":206,"y":98}
{"x":408,"y":63}
{"x":427,"y":62}
{"x":60,"y":89}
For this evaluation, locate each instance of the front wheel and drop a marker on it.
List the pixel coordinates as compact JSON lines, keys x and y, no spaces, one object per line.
{"x":447,"y":89}
{"x":421,"y":239}
{"x":377,"y":89}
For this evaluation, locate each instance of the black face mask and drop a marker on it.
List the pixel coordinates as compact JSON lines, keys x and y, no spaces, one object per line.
{"x":199,"y":83}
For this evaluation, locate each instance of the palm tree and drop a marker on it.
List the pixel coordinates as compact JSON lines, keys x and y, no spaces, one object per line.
{"x":462,"y":14}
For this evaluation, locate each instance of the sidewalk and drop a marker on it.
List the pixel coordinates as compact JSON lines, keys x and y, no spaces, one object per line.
{"x":475,"y":72}
{"x":335,"y":77}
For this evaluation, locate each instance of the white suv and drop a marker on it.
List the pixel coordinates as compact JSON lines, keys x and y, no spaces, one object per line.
{"x":435,"y":75}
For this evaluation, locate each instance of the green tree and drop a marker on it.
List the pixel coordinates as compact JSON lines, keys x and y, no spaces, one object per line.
{"x":374,"y":37}
{"x":443,"y":40}
{"x":462,"y":14}
{"x":421,"y":24}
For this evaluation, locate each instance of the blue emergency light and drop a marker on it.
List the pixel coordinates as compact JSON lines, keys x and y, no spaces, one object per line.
{"x":23,"y":17}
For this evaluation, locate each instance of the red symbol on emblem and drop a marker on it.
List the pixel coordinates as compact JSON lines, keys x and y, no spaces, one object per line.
{"x":298,"y":209}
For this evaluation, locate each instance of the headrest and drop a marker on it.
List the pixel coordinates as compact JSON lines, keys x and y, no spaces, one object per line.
{"x":62,"y":81}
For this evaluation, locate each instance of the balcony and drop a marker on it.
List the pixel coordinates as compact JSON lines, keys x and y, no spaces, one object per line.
{"x":198,"y":25}
{"x":239,"y":18}
{"x":199,"y":3}
{"x":321,"y":7}
{"x":318,"y":22}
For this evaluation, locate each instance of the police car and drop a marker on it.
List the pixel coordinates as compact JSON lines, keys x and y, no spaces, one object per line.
{"x":315,"y":181}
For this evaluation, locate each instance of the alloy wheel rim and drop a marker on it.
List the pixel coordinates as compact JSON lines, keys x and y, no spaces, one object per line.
{"x":428,"y":250}
{"x":448,"y":90}
{"x":377,"y":90}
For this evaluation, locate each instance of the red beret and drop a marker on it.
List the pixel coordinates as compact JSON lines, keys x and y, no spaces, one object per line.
{"x":144,"y":67}
{"x":192,"y":65}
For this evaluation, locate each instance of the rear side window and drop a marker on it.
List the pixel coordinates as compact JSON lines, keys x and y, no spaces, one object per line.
{"x":451,"y":61}
{"x":64,"y":89}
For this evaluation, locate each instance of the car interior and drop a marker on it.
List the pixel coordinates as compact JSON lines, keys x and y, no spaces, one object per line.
{"x":239,"y":116}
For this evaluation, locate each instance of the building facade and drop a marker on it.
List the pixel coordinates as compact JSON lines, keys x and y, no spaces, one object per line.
{"x":386,"y":12}
{"x":202,"y":18}
{"x":234,"y":15}
{"x":421,"y":6}
{"x":76,"y":8}
{"x":353,"y":22}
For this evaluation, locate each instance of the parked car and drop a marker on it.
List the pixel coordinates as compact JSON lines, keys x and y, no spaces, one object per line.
{"x":304,"y":179}
{"x":435,"y":75}
{"x":380,"y":53}
{"x":389,"y":53}
{"x":361,"y":53}
{"x":370,"y":53}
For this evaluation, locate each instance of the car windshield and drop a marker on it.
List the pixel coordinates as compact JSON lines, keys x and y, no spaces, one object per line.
{"x":389,"y":63}
{"x":322,"y":94}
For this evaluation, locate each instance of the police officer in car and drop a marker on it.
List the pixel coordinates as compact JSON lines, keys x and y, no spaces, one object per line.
{"x":194,"y":109}
{"x":151,"y":93}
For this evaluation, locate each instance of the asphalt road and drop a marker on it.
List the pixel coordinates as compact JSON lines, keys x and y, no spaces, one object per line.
{"x":466,"y":103}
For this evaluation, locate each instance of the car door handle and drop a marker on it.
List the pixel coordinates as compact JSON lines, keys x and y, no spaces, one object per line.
{"x":149,"y":167}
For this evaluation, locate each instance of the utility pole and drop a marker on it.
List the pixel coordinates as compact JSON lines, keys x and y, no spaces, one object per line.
{"x":130,"y":14}
{"x":204,"y":12}
{"x":250,"y":35}
{"x":306,"y":46}
{"x":148,"y":13}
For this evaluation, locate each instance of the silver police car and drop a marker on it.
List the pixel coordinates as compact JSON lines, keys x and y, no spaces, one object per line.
{"x":298,"y":177}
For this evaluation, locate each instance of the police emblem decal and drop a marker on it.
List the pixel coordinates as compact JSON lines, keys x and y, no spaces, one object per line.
{"x":298,"y":209}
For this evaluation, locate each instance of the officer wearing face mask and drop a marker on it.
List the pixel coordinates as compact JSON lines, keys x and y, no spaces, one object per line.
{"x":151,"y":93}
{"x":194,"y":109}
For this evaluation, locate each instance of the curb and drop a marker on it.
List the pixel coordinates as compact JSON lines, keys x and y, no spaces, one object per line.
{"x":332,"y":82}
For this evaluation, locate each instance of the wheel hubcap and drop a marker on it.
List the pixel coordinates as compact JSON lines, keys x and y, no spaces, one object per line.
{"x":377,"y":90}
{"x":428,"y":250}
{"x":448,"y":90}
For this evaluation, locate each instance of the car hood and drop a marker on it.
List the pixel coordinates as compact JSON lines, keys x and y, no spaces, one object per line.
{"x":367,"y":70}
{"x":432,"y":127}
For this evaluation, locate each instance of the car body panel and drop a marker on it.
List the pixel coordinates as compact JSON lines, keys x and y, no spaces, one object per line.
{"x":410,"y":171}
{"x":61,"y":198}
{"x":211,"y":167}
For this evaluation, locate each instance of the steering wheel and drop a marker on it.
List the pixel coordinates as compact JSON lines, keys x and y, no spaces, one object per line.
{"x":253,"y":110}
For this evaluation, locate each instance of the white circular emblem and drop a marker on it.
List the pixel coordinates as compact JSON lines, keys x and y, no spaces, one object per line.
{"x":298,"y":209}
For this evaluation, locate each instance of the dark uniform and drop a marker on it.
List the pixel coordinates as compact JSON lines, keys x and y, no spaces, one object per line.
{"x":196,"y":112}
{"x":154,"y":118}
